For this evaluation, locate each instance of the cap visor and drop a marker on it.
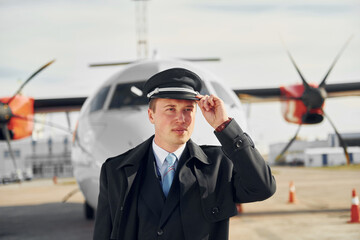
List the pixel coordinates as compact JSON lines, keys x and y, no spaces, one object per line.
{"x":177,"y":95}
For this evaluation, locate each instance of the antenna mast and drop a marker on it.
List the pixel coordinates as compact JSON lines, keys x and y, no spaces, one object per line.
{"x":141,"y":28}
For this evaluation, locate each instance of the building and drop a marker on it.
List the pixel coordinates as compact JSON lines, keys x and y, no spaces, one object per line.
{"x":330,"y":156}
{"x":44,"y":158}
{"x":317,"y":153}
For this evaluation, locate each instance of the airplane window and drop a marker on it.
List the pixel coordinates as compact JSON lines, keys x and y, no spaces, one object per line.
{"x":98,"y":102}
{"x":128,"y":94}
{"x":222,"y":93}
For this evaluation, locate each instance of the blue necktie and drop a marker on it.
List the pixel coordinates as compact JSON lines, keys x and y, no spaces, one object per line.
{"x":169,"y":174}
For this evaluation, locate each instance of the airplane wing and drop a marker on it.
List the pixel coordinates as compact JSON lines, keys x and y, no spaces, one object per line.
{"x":274,"y":94}
{"x":258,"y":95}
{"x":343,"y":89}
{"x":58,"y":104}
{"x":246,"y":95}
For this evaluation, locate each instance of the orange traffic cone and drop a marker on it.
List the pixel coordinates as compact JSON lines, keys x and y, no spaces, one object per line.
{"x":239,"y":208}
{"x":292,"y":198}
{"x":55,"y":179}
{"x":354,"y":208}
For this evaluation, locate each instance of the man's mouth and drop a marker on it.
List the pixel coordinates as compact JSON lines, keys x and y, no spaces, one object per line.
{"x":179,"y":130}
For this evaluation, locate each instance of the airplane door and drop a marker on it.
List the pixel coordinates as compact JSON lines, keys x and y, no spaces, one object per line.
{"x":324,"y":159}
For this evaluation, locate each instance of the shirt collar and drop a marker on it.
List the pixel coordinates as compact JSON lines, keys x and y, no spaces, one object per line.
{"x":160,"y":154}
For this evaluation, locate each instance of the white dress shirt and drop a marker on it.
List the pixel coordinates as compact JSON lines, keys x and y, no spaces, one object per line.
{"x":160,"y":155}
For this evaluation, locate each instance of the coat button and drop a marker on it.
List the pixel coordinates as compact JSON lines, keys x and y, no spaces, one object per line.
{"x":160,"y":232}
{"x":238,"y":143}
{"x":215,"y":210}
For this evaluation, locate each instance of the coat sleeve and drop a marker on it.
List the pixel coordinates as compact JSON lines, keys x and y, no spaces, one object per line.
{"x":103,"y":223}
{"x":252,"y":178}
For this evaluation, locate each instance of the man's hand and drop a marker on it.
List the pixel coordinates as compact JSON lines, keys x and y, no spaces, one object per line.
{"x":213,"y":110}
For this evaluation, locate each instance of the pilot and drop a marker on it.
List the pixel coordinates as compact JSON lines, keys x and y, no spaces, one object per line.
{"x":168,"y":187}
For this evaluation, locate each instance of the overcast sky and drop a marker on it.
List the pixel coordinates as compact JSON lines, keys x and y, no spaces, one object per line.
{"x":244,"y":34}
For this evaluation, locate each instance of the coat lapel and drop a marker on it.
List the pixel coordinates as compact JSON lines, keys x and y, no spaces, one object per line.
{"x":132,"y":162}
{"x":151,"y":192}
{"x":186,"y":175}
{"x":129,"y":167}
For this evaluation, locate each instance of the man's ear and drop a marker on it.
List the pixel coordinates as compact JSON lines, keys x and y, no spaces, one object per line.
{"x":151,"y":115}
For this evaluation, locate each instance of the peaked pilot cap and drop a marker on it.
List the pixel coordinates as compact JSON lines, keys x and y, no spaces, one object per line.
{"x":174,"y":83}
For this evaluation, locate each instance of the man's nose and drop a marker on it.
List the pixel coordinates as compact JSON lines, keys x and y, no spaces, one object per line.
{"x":181,"y":116}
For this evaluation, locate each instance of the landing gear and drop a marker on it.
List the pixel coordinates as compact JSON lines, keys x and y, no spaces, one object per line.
{"x":89,"y":211}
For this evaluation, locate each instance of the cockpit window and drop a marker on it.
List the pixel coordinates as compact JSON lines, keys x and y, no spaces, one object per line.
{"x":222,"y":93}
{"x":98,"y":101}
{"x":128,"y":94}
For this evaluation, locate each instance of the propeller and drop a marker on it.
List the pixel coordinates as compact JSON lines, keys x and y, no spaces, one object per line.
{"x":314,"y":98}
{"x":6,"y":115}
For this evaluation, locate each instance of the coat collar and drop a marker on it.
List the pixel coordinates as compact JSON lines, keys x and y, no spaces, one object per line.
{"x":196,"y":152}
{"x":131,"y":163}
{"x":138,"y":153}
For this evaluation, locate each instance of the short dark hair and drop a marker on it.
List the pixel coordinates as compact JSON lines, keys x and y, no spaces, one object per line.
{"x":152,"y":104}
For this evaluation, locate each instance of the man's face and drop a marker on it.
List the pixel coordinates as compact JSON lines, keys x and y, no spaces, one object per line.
{"x":174,"y":122}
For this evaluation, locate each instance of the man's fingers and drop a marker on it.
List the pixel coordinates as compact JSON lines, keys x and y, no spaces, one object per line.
{"x":207,"y":102}
{"x":201,"y":102}
{"x":213,"y":109}
{"x":211,"y":100}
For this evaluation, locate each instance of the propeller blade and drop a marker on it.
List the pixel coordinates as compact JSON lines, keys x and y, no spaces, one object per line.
{"x":322,"y":84}
{"x":27,"y":80}
{"x":296,"y":67}
{"x":288,"y":145}
{"x":50,"y":124}
{"x":341,"y":140}
{"x":6,"y":134}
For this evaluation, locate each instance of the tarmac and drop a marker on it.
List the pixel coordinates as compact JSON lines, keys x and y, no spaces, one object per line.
{"x":34,"y":210}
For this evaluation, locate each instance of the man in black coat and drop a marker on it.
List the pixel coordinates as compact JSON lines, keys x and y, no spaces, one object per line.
{"x":168,"y":187}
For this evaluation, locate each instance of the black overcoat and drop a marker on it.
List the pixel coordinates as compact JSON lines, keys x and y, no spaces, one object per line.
{"x":212,"y":180}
